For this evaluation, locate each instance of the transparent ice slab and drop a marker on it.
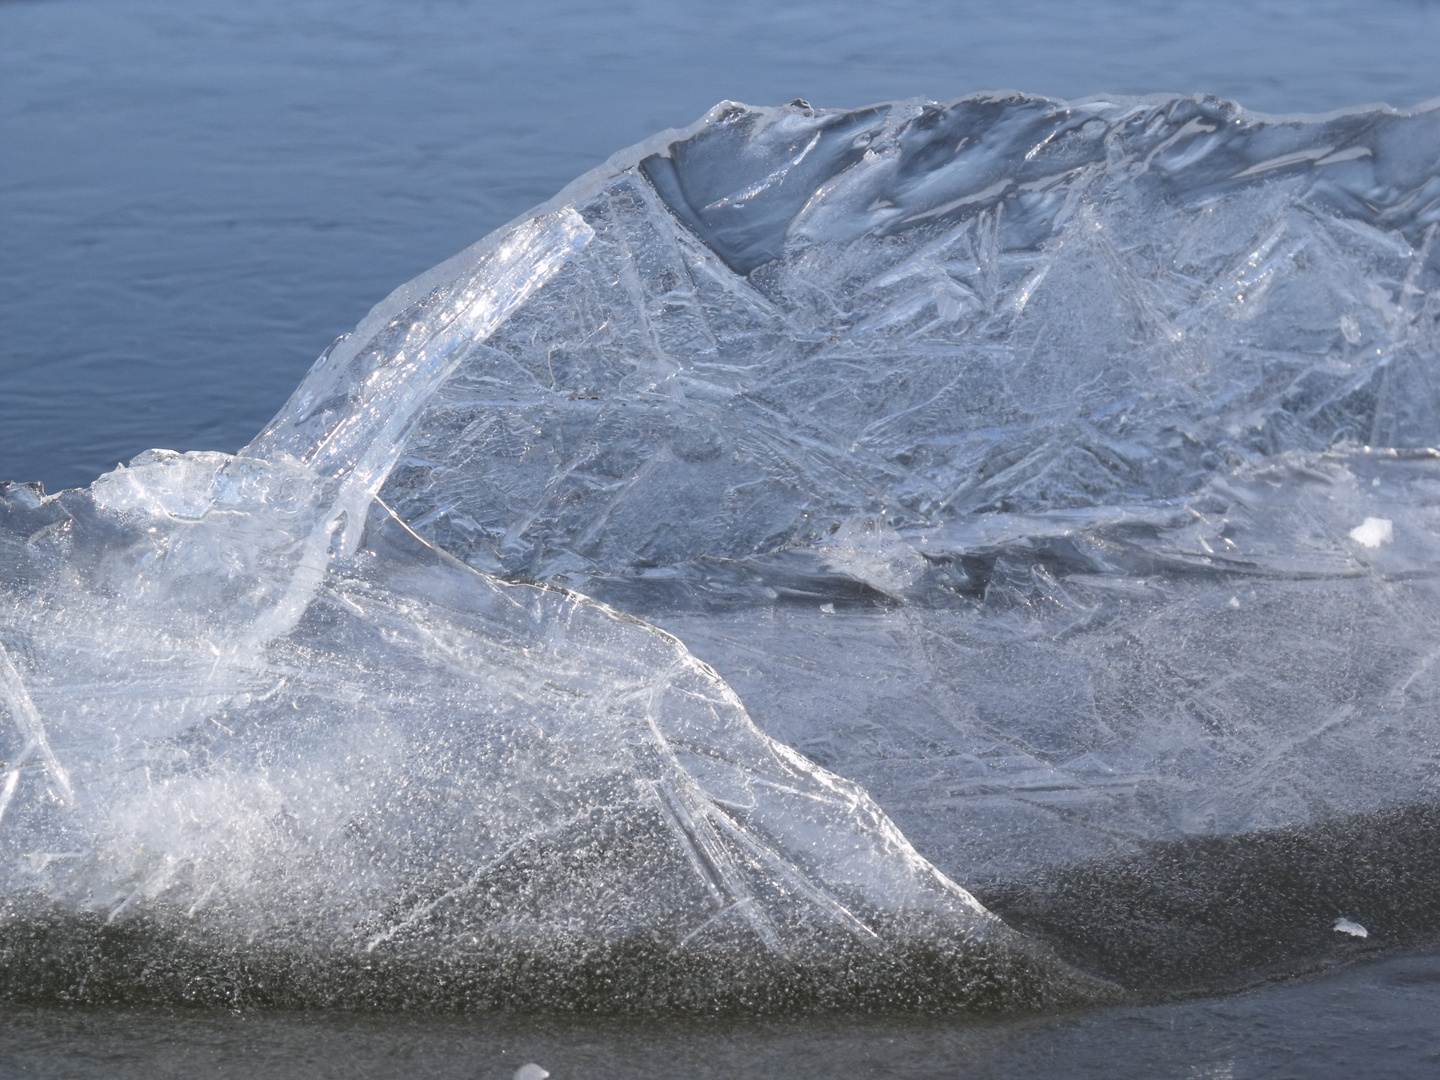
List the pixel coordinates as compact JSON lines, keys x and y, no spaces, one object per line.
{"x":257,"y":723}
{"x":1059,"y":472}
{"x":1002,"y":305}
{"x":1056,"y":474}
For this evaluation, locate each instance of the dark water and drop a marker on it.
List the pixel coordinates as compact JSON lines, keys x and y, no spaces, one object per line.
{"x":1368,"y":1020}
{"x":197,"y":198}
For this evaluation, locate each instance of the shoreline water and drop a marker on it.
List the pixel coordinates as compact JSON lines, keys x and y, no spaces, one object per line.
{"x":1320,"y":1025}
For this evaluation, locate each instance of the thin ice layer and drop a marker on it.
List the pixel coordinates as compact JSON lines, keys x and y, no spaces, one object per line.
{"x":1006,"y":304}
{"x":1030,"y":692}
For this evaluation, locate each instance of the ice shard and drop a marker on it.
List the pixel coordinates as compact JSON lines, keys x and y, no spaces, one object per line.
{"x":1054,"y":477}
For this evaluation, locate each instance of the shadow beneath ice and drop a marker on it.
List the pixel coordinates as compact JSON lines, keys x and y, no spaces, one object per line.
{"x":1222,"y":912}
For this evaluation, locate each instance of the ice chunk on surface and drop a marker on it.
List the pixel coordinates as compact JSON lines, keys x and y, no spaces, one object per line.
{"x":428,"y":766}
{"x":1006,"y":457}
{"x":258,"y":721}
{"x":1005,"y":304}
{"x":1373,"y":531}
{"x":947,"y":435}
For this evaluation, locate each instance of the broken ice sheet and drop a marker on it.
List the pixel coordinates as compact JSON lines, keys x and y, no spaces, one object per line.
{"x":259,"y":721}
{"x":428,"y":763}
{"x":1005,"y":457}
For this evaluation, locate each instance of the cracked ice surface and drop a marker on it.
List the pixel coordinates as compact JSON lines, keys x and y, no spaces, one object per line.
{"x":1058,"y":473}
{"x":253,"y":715}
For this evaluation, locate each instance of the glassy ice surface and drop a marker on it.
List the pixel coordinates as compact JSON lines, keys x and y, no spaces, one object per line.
{"x":265,"y":743}
{"x":1058,"y":472}
{"x":1053,"y":477}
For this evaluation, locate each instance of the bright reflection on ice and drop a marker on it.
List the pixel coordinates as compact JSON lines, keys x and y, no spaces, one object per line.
{"x":1373,"y":531}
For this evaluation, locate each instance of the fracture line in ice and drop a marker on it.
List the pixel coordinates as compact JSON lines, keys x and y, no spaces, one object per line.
{"x":362,"y":447}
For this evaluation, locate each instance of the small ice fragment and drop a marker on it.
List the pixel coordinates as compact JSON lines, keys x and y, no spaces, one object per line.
{"x":828,"y":609}
{"x":1234,"y":601}
{"x":531,"y":1072}
{"x":1372,"y":532}
{"x":1345,"y":926}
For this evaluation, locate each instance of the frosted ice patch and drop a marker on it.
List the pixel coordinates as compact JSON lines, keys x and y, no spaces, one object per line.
{"x":1348,"y":926}
{"x":1373,"y":531}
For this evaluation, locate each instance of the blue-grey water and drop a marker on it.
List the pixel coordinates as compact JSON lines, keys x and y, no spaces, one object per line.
{"x":196,"y":199}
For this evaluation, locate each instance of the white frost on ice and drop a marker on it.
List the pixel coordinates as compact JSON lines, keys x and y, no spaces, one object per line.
{"x":1373,"y":531}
